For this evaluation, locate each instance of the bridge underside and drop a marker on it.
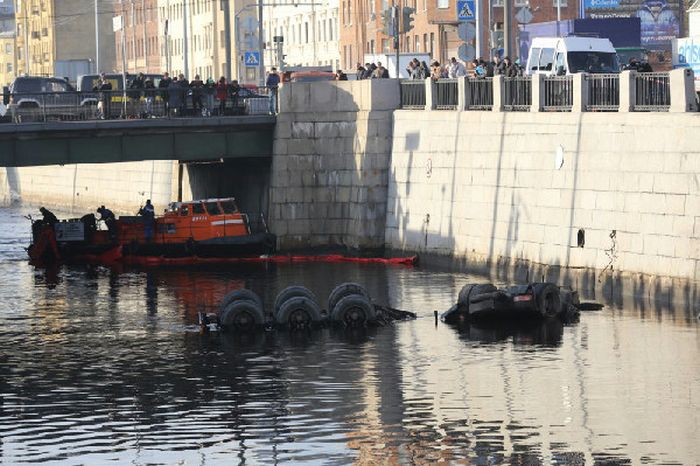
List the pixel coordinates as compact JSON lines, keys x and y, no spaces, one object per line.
{"x":185,"y":139}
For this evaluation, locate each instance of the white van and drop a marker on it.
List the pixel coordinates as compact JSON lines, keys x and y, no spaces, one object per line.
{"x":568,"y":55}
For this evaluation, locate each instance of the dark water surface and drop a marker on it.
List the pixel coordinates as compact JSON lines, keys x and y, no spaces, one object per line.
{"x":104,"y":366}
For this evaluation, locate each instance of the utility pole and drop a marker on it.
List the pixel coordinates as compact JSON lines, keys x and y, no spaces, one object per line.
{"x":395,"y":31}
{"x":145,"y":37}
{"x":185,"y":51}
{"x":261,"y":44}
{"x":227,"y":37}
{"x":97,"y":40}
{"x":167,"y":37}
{"x":479,"y":18}
{"x":508,"y":28}
{"x":133,"y":35}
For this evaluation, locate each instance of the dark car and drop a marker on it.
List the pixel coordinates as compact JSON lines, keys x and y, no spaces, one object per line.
{"x":35,"y":98}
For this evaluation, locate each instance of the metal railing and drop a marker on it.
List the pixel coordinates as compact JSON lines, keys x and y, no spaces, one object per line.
{"x":446,"y":94}
{"x":558,"y":93}
{"x":412,"y":94}
{"x":479,"y":93}
{"x":517,"y":94}
{"x":653,"y":92}
{"x":603,"y":92}
{"x":105,"y":105}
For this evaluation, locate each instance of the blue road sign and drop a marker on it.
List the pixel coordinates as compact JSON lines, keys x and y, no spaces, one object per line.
{"x":251,"y":58}
{"x":465,"y":10}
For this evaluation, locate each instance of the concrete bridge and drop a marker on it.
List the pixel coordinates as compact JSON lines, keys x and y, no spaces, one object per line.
{"x":183,"y":139}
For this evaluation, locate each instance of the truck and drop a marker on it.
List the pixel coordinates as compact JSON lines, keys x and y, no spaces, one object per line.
{"x":685,"y":52}
{"x":624,"y":33}
{"x":389,"y":62}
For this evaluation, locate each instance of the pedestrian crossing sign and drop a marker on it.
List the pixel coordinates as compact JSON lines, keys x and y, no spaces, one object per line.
{"x":252,"y":58}
{"x":465,"y":10}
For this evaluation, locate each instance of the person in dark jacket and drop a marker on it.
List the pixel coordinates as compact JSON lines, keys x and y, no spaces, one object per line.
{"x":148,"y":213}
{"x":360,"y":71}
{"x":135,"y":92}
{"x":110,"y":220}
{"x":272,"y":83}
{"x":48,"y":217}
{"x":340,"y":76}
{"x":164,"y":84}
{"x":149,"y":94}
{"x":105,"y":97}
{"x":197,"y":86}
{"x":234,"y":90}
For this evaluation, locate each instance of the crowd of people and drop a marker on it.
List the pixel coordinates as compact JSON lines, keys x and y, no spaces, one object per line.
{"x":454,"y":68}
{"x":178,"y":96}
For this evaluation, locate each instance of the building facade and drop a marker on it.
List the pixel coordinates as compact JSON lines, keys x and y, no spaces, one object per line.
{"x":57,"y":37}
{"x":309,"y":32}
{"x":434,"y":29}
{"x":8,"y":58}
{"x":142,"y":41}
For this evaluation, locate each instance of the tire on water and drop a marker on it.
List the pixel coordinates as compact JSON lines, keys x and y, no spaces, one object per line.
{"x":346,"y":289}
{"x":292,"y":292}
{"x":298,"y":311}
{"x":353,"y":310}
{"x":242,"y":294}
{"x":242,"y":315}
{"x":548,"y":299}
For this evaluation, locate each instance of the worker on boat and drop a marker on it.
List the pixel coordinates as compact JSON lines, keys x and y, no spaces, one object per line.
{"x":107,"y":216}
{"x":48,"y":217}
{"x":148,"y":213}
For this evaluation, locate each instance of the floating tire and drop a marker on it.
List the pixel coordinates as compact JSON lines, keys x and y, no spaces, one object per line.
{"x":548,"y":299}
{"x":243,"y":294}
{"x":292,"y":292}
{"x":242,"y":315}
{"x":470,"y":290}
{"x":353,"y":311}
{"x":298,"y":312}
{"x":346,"y":289}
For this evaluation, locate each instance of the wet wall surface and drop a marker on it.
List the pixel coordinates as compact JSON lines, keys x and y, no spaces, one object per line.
{"x":100,"y":364}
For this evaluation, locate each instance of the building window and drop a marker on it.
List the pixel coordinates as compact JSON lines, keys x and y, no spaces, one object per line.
{"x":562,"y":3}
{"x":417,"y":40}
{"x":330,"y":29}
{"x":442,"y":4}
{"x":350,"y":11}
{"x":306,"y":32}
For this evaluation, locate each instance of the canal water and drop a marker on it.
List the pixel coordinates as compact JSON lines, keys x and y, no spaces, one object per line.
{"x":101,"y":365}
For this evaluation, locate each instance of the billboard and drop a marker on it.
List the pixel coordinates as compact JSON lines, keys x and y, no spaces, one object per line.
{"x":658,"y":18}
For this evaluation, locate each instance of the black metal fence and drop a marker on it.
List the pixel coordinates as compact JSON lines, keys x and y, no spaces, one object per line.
{"x":132,"y":104}
{"x":603,"y":92}
{"x":446,"y":94}
{"x":517,"y":94}
{"x":412,"y":94}
{"x":479,"y":93}
{"x":558,"y":93}
{"x":653,"y":92}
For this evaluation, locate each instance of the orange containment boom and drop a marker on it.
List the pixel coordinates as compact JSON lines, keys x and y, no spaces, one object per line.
{"x":330,"y":258}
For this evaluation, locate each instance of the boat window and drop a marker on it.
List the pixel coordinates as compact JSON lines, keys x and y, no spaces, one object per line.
{"x":198,"y":208}
{"x":229,"y":207}
{"x":213,"y":208}
{"x":185,"y":210}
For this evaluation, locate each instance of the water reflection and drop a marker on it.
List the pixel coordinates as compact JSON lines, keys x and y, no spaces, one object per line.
{"x":100,"y":365}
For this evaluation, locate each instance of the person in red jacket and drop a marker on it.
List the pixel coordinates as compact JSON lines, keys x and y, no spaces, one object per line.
{"x":221,"y":94}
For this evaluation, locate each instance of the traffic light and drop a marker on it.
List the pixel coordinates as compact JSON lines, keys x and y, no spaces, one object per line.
{"x":408,"y":18}
{"x":387,"y":23}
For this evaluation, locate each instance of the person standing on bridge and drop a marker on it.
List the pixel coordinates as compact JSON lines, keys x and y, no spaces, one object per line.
{"x":221,"y":95}
{"x":164,"y":84}
{"x":272,"y":83}
{"x":148,"y":213}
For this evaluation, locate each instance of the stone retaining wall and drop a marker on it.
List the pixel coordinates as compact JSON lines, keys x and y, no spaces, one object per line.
{"x":508,"y":188}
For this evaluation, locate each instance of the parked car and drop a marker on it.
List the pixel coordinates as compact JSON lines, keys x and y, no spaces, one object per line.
{"x":36,"y":98}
